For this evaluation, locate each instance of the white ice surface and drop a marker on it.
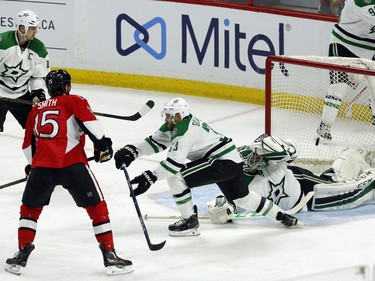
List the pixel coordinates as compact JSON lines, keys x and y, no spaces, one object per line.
{"x":253,"y":249}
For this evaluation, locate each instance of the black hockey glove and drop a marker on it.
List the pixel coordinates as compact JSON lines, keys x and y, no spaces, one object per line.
{"x":125,"y":155}
{"x":38,"y":95}
{"x":144,"y":181}
{"x":103,"y":151}
{"x":27,"y":170}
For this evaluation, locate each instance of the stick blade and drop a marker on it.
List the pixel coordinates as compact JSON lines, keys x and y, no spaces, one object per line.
{"x":150,"y":104}
{"x":157,"y":247}
{"x":146,"y":108}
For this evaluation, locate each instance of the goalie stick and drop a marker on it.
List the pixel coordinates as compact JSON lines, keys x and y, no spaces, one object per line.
{"x":25,"y":178}
{"x":152,"y":247}
{"x":144,"y":109}
{"x":292,"y":211}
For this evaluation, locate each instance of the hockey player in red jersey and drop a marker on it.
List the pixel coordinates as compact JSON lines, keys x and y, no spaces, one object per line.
{"x":59,"y":125}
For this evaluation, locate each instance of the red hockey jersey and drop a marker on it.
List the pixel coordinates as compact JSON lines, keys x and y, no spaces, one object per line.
{"x":58,"y":125}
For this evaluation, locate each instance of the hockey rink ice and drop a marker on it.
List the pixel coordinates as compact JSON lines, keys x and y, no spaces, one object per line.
{"x":330,"y":246}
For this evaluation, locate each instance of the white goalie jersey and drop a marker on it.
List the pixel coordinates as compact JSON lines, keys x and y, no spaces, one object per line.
{"x":268,"y":175}
{"x":278,"y":184}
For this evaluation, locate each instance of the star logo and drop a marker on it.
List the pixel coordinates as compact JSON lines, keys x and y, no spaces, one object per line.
{"x":14,"y":72}
{"x":277,"y":191}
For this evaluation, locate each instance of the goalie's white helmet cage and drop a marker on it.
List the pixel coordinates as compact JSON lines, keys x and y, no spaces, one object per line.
{"x":176,"y":105}
{"x":27,"y":18}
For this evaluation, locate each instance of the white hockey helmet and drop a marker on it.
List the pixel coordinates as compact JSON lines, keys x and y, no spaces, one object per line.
{"x":176,"y":105}
{"x":27,"y":18}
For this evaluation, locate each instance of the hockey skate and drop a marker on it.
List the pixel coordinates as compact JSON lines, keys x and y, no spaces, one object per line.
{"x":185,"y":227}
{"x":324,"y":131}
{"x":114,"y":264}
{"x":286,"y":219}
{"x":14,"y":265}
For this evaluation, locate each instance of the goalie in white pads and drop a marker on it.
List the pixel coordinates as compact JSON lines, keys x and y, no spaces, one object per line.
{"x":349,"y":183}
{"x":214,"y":159}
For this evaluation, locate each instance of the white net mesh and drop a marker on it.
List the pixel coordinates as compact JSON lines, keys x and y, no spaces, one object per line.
{"x":297,"y":95}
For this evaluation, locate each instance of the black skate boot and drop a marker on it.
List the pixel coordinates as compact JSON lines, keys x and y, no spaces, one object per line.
{"x":286,"y":219}
{"x":185,"y":227}
{"x":324,"y":131}
{"x":14,"y":265}
{"x":114,"y":264}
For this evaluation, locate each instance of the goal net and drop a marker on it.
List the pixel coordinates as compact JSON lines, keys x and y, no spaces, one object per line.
{"x":298,"y":89}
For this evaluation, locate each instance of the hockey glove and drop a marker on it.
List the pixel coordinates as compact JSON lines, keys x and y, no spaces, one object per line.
{"x":220,"y":210}
{"x":125,"y":155}
{"x":27,"y":170}
{"x":105,"y":152}
{"x":144,"y":181}
{"x":37,"y":96}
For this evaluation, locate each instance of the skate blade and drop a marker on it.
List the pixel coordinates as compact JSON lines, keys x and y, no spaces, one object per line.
{"x":189,"y":232}
{"x":13,"y":268}
{"x":115,"y":270}
{"x":321,"y":140}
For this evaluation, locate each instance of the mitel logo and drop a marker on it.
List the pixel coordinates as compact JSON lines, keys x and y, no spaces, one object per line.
{"x":141,"y":36}
{"x":231,"y":37}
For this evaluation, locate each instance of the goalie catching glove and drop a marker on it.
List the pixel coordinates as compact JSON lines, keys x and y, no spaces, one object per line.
{"x":220,"y":210}
{"x":125,"y":155}
{"x":103,"y":150}
{"x":144,"y":181}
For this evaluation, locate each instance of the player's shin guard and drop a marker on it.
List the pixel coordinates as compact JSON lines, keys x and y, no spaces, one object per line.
{"x":27,"y":225}
{"x":331,"y":108}
{"x":181,"y":195}
{"x":101,"y":224}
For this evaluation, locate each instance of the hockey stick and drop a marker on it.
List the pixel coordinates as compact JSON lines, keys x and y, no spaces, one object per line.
{"x":292,"y":211}
{"x":301,"y":204}
{"x":152,"y":247}
{"x":24,"y":179}
{"x":146,"y":108}
{"x":13,"y":183}
{"x":236,"y":216}
{"x":348,"y":109}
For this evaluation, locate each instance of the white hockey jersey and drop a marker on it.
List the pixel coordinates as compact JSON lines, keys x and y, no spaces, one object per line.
{"x":21,"y":69}
{"x":273,"y":180}
{"x":356,"y":28}
{"x":278,"y":184}
{"x":191,"y":139}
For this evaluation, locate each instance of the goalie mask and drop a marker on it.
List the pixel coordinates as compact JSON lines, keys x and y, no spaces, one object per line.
{"x":174,"y":106}
{"x":251,"y":160}
{"x":265,"y":151}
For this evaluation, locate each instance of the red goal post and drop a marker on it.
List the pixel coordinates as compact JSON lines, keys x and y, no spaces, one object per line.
{"x":296,"y":90}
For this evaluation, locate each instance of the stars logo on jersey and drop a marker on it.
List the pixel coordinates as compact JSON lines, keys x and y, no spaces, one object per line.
{"x":277,"y":191}
{"x":14,"y":72}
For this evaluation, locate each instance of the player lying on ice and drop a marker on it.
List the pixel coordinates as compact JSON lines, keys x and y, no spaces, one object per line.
{"x":213,"y":159}
{"x":349,"y":182}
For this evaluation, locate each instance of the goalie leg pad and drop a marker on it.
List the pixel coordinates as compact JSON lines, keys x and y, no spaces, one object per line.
{"x":345,"y":195}
{"x":220,"y":210}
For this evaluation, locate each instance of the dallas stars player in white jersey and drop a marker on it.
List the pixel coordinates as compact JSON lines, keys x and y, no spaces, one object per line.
{"x":214,"y":159}
{"x":353,"y":36}
{"x":349,"y":183}
{"x":24,"y":64}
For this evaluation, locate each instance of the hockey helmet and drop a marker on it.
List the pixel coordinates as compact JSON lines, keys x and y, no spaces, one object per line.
{"x":57,"y":82}
{"x":176,"y":105}
{"x":27,"y":18}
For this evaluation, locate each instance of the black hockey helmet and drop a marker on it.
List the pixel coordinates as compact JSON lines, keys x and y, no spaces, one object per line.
{"x":58,"y":82}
